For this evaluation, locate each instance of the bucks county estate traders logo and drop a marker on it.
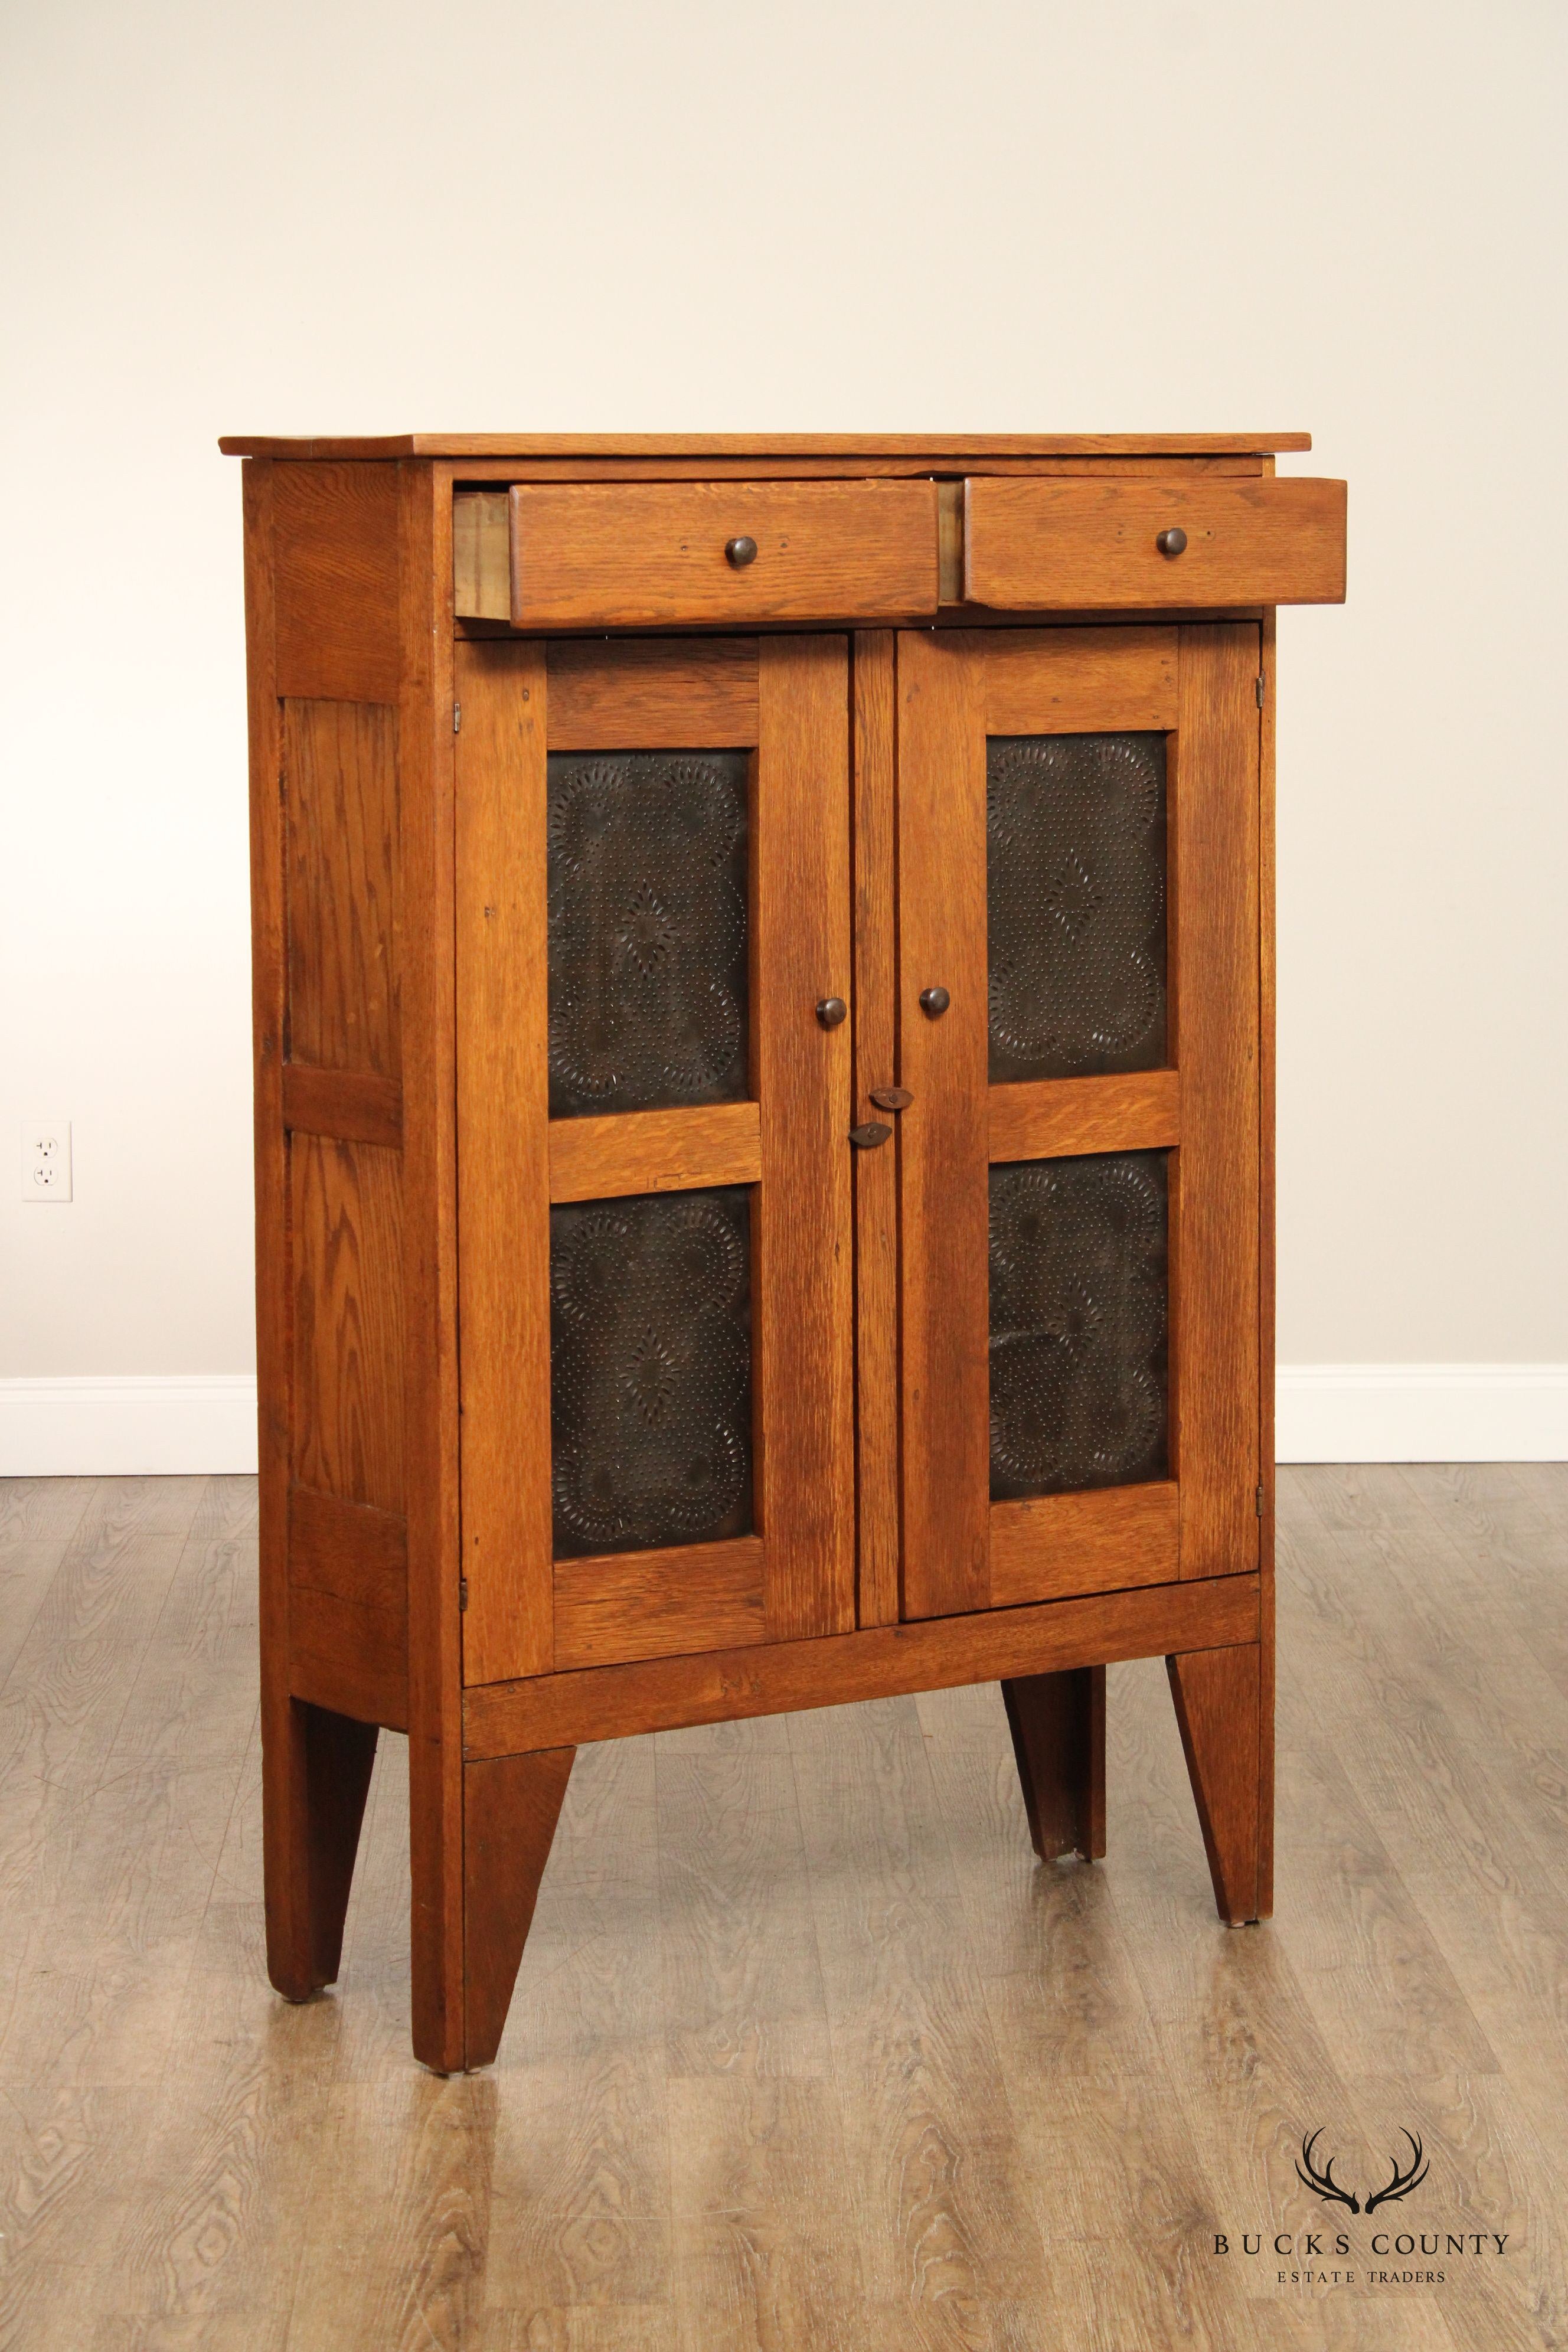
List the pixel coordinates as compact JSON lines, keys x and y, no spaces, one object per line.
{"x":1325,"y":2185}
{"x":1329,"y":2257}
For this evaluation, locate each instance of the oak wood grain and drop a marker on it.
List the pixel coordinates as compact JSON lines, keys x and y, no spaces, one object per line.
{"x":1057,"y":1723}
{"x":335,"y":559}
{"x":340,"y":790}
{"x":346,"y":1220}
{"x":874,"y":715}
{"x":286,"y":1879}
{"x":504,"y":1718}
{"x":1051,"y":682}
{"x":1268,"y":723}
{"x":428,"y":885}
{"x":803,"y":1244}
{"x":1032,"y":546}
{"x":354,"y":1105}
{"x":643,"y":555}
{"x":349,"y":1548}
{"x":655,"y":1152}
{"x":658,"y":1603}
{"x":504,"y":1160}
{"x":652,"y":694}
{"x":1214,"y":1043}
{"x":1096,"y":1541}
{"x":942,"y":1138}
{"x":1217,"y":1695}
{"x":747,"y":444}
{"x":509,"y":1810}
{"x":1044,"y":1118}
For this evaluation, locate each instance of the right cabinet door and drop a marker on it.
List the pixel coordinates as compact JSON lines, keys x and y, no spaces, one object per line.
{"x":1078,"y":1026}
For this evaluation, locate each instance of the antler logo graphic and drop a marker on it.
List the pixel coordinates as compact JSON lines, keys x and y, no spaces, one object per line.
{"x":1402,"y":2182}
{"x":1323,"y":2182}
{"x":1325,"y":2185}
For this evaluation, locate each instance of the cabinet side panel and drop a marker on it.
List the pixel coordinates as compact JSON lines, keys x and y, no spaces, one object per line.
{"x":340,"y":778}
{"x":1217,"y":1039}
{"x":346,"y":1214}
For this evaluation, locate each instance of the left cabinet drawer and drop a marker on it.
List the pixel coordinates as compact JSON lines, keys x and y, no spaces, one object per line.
{"x":651,"y":554}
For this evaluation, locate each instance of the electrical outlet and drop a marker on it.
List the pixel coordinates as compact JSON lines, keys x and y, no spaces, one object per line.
{"x":46,"y":1160}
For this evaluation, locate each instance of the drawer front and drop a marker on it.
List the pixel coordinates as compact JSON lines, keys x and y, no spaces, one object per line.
{"x":641,"y":555}
{"x":1075,"y":546}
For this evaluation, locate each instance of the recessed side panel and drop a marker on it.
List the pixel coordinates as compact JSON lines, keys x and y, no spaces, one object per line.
{"x":341,"y":815}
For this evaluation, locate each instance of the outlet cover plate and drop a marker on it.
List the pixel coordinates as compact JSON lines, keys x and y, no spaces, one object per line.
{"x":45,"y":1160}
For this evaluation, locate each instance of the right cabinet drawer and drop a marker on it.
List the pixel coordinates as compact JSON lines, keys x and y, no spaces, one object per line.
{"x":1035,"y":546}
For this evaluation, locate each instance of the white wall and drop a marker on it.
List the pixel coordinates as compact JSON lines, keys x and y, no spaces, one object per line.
{"x":347,"y":217}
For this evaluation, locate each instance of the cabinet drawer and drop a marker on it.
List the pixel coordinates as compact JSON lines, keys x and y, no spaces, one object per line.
{"x":639,"y":555}
{"x":1077,"y":546}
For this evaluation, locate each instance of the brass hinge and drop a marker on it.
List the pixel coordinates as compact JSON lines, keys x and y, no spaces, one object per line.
{"x":463,"y":1584}
{"x":457,"y":716}
{"x":1259,"y":1514}
{"x":1258,"y":689}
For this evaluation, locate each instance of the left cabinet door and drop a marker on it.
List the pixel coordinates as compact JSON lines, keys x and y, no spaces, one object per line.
{"x":654,"y":1191}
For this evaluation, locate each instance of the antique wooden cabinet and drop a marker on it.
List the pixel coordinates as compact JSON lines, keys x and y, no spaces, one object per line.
{"x":763,"y":1082}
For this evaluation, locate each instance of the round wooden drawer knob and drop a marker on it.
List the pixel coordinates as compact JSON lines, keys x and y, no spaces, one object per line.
{"x":1173,"y":541}
{"x":934,"y":1002}
{"x":831,"y":1011}
{"x":741,"y":552}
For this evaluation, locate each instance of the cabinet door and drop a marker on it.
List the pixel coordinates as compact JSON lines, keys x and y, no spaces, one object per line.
{"x":1079,"y":1165}
{"x":654,"y":1191}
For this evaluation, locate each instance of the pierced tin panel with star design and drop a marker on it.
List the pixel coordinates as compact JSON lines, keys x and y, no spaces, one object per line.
{"x":1075,"y":832}
{"x":648,"y":929}
{"x":650,"y":1370}
{"x":1079,"y":1392}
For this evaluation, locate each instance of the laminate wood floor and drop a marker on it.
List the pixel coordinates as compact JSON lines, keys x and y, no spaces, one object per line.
{"x":806,"y":2051}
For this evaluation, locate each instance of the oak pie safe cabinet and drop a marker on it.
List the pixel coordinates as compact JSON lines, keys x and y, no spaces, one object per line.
{"x":763,"y":1084}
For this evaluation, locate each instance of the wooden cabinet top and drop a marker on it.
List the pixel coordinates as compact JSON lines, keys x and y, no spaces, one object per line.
{"x":944,"y":447}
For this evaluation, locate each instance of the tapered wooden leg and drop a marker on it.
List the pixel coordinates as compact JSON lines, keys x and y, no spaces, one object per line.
{"x":1057,"y":1722}
{"x":510,"y":1807}
{"x":1219,"y":1695}
{"x":316,"y":1774}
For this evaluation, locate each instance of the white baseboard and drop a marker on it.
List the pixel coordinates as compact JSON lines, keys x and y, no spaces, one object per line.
{"x":135,"y":1425}
{"x":1421,"y":1413}
{"x":128,"y":1425}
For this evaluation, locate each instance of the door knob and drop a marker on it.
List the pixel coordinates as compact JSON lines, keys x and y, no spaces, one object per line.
{"x":831,"y":1011}
{"x":934,"y":1002}
{"x":1173,"y":541}
{"x":867,"y":1138}
{"x":740,"y":552}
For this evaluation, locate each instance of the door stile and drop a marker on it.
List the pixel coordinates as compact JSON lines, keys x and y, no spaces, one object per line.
{"x":1214,"y":1238}
{"x":503,"y":1178}
{"x":873,"y":715}
{"x":943,"y":1164}
{"x":805,"y":1300}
